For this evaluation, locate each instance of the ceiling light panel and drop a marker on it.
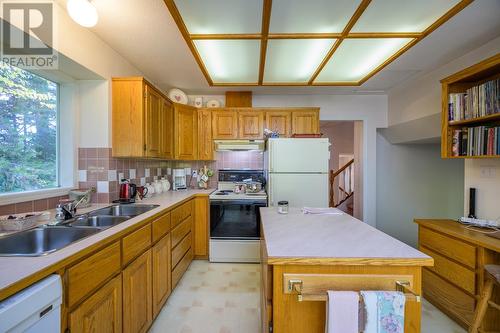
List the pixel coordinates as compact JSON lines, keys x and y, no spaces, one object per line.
{"x":221,"y":16}
{"x":294,"y":60}
{"x":402,"y":15}
{"x":356,"y":58}
{"x":312,"y":16}
{"x":230,"y":61}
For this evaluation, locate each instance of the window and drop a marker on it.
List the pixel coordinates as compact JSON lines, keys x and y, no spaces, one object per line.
{"x":28,"y":131}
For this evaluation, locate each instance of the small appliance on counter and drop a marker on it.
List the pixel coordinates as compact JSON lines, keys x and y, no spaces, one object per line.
{"x":128,"y":192}
{"x":235,"y":216}
{"x":179,"y":179}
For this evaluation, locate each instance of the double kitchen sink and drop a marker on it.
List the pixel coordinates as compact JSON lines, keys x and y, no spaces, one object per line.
{"x":46,"y":239}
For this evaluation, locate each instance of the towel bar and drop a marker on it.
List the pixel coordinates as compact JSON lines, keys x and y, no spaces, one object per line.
{"x":296,"y":285}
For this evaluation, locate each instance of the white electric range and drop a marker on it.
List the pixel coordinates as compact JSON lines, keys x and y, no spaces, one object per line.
{"x":235,"y":218}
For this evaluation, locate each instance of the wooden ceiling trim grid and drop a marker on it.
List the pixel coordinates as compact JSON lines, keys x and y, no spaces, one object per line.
{"x":264,"y":36}
{"x":266,"y":20}
{"x":172,"y":8}
{"x":448,"y":15}
{"x":357,"y":14}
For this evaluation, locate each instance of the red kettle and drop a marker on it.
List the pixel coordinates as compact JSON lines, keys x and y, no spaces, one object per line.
{"x":127,"y":191}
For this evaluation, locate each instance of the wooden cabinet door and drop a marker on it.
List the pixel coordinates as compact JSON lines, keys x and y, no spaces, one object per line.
{"x":250,"y":124}
{"x":152,"y":122}
{"x":201,"y":227}
{"x":101,"y":312}
{"x":137,"y":295}
{"x":279,"y":121}
{"x":305,"y":122}
{"x":225,"y":124}
{"x":205,"y":141}
{"x":167,"y":130}
{"x":162,"y":269}
{"x":185,"y":132}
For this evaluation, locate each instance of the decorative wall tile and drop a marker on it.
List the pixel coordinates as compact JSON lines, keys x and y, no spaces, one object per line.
{"x":112,"y":176}
{"x":131,"y":173}
{"x":102,"y":187}
{"x":82,"y":175}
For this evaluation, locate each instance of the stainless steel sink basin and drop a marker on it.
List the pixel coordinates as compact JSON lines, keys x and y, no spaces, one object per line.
{"x":99,"y":221}
{"x":123,"y":210}
{"x":42,"y":240}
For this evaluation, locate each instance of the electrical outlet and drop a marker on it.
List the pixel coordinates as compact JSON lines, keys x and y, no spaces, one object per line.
{"x":195,"y":174}
{"x":488,"y":172}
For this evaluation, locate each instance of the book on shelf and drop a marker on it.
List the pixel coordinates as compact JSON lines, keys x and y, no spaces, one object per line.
{"x":476,"y":141}
{"x":478,"y":101}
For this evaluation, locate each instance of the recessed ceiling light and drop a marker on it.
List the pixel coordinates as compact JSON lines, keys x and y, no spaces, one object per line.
{"x":82,"y":12}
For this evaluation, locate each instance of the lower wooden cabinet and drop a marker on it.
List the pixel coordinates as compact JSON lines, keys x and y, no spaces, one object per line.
{"x":101,"y":312}
{"x":162,"y":278}
{"x":137,"y":295}
{"x":201,"y":227}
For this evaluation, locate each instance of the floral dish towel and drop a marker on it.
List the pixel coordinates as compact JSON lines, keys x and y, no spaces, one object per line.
{"x":384,"y":311}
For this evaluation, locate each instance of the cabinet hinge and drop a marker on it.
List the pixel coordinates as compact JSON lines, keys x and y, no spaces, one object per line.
{"x":144,"y":146}
{"x":270,"y":327}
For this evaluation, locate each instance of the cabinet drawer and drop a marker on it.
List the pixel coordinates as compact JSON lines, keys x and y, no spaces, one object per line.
{"x":87,"y":275}
{"x":181,"y":249}
{"x":447,"y":297}
{"x":181,"y":267}
{"x":179,"y":232}
{"x":181,"y":212}
{"x":459,"y":275}
{"x":136,"y":243}
{"x":449,"y":247}
{"x":161,"y":226}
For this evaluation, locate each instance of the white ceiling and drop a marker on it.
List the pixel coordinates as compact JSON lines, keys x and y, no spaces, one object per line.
{"x":145,"y":34}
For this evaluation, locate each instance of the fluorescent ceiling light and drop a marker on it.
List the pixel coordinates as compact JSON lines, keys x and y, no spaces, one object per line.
{"x":356,"y":58}
{"x":311,"y":16}
{"x":82,"y":12}
{"x":230,"y":60}
{"x":221,"y":16}
{"x":294,"y":60}
{"x":402,"y":15}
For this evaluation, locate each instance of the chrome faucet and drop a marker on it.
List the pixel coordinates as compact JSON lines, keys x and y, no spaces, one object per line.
{"x":67,"y":210}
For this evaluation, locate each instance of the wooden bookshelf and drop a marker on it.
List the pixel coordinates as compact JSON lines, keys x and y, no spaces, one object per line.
{"x":486,"y":70}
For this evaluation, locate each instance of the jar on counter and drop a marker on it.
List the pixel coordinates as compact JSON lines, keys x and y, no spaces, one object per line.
{"x":283,"y":207}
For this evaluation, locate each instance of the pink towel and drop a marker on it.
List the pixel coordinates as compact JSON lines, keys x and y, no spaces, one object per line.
{"x":342,"y":312}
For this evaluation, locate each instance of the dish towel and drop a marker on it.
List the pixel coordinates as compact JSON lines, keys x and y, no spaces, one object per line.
{"x":342,"y":312}
{"x":385,"y":311}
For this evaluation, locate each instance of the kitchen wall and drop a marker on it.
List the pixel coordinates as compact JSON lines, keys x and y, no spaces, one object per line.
{"x":414,"y":182}
{"x":239,"y":160}
{"x":341,"y":136}
{"x":421,"y":97}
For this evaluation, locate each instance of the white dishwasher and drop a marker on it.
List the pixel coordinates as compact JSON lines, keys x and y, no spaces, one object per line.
{"x":36,"y":309}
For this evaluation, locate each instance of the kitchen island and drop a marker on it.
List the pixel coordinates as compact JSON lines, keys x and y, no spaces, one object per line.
{"x":305,"y":255}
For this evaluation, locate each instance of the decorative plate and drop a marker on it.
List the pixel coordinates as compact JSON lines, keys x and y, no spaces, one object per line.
{"x":198,"y":102}
{"x":213,"y":103}
{"x":178,"y":96}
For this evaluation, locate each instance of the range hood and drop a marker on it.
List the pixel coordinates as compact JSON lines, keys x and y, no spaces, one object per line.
{"x":239,"y":145}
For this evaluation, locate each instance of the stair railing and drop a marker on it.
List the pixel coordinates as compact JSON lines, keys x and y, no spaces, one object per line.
{"x":341,"y":184}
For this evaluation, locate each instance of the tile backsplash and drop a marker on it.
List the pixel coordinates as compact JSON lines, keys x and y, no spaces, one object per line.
{"x":97,"y":168}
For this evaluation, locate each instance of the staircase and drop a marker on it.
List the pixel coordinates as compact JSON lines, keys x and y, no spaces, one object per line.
{"x":341,"y":184}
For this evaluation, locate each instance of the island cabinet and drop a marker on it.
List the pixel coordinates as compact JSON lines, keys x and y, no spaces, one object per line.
{"x":224,"y":124}
{"x":185,"y":132}
{"x":137,"y":119}
{"x":456,"y":280}
{"x":205,"y":141}
{"x":341,"y":253}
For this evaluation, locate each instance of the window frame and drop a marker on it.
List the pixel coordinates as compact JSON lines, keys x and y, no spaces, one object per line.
{"x":65,"y":174}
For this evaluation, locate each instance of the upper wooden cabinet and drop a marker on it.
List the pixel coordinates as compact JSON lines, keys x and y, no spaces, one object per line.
{"x":205,"y":142}
{"x":142,"y":120}
{"x":167,"y":130}
{"x":185,"y":132}
{"x":225,"y":124}
{"x":305,"y":122}
{"x":279,"y":121}
{"x":250,"y":124}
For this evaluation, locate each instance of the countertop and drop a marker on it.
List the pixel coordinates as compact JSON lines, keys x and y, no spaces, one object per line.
{"x":296,"y":238}
{"x":18,"y":272}
{"x":460,"y":231}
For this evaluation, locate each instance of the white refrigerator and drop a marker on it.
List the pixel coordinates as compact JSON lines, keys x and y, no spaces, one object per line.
{"x":297,"y":171}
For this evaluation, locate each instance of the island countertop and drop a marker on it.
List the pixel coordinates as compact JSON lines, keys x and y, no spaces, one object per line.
{"x":297,"y":238}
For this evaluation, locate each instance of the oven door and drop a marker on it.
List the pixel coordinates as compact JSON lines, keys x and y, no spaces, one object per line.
{"x":235,"y":219}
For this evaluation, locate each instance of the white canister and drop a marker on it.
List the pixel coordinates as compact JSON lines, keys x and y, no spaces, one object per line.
{"x":158,"y":187}
{"x":165,"y":184}
{"x":151,"y":190}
